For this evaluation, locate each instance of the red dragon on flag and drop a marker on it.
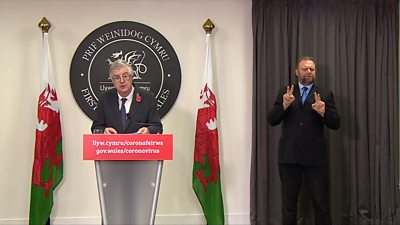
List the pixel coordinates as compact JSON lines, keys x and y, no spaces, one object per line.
{"x":207,"y":138}
{"x":48,"y":137}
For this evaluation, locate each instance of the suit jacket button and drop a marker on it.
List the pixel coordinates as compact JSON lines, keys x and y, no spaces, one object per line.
{"x":301,"y":123}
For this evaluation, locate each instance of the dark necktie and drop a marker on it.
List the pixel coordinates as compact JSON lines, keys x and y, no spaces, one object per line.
{"x":123,"y":113}
{"x":304,"y":95}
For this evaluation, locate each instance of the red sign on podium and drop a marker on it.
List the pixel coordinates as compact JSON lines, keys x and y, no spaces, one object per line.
{"x":127,"y":146}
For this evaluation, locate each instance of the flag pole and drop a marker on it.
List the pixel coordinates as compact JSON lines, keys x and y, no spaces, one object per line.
{"x":38,"y":207}
{"x":45,"y":25}
{"x":208,"y":26}
{"x":206,"y":180}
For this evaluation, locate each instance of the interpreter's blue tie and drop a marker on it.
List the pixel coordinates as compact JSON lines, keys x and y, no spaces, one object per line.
{"x":304,"y":95}
{"x":123,"y":113}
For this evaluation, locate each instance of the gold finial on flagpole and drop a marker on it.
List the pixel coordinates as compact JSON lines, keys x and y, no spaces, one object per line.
{"x":208,"y":26}
{"x":45,"y":25}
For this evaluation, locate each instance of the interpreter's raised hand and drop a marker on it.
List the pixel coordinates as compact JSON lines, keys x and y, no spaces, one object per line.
{"x":318,"y":106}
{"x":288,"y":97}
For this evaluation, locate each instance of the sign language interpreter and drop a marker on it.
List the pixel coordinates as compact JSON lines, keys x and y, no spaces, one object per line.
{"x":304,"y":109}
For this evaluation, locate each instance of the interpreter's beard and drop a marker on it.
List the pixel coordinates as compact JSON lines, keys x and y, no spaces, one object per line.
{"x":307,"y":80}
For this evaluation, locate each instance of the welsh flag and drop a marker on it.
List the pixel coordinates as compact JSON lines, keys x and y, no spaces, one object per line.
{"x":206,"y":170}
{"x":47,"y":171}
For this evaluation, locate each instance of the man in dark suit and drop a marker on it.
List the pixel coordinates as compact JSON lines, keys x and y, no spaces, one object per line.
{"x":302,"y":147}
{"x":126,"y":108}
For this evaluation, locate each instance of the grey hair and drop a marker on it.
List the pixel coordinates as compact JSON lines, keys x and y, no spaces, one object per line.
{"x":119,"y":64}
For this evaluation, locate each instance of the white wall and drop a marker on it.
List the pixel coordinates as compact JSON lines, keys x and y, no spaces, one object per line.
{"x":180,"y":21}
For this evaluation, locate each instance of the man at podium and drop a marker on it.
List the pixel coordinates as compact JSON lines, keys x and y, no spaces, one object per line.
{"x":126,"y":108}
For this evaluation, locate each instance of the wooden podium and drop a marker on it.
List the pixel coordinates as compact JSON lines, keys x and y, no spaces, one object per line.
{"x":128,"y":170}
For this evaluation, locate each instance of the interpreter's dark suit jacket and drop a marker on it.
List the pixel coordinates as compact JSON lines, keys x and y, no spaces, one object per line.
{"x":142,"y":113}
{"x":302,"y":141}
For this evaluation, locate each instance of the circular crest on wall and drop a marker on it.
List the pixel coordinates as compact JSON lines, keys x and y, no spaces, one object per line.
{"x":155,"y":64}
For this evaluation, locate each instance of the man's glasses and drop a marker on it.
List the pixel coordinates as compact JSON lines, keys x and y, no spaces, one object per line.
{"x":124,"y":77}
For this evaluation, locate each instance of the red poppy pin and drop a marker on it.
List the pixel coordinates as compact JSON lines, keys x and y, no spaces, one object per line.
{"x":138,"y":98}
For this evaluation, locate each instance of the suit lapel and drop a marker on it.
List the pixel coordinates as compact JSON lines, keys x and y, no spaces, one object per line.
{"x":115,"y":110}
{"x":297,"y":94}
{"x":133,"y":108}
{"x":310,"y":97}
